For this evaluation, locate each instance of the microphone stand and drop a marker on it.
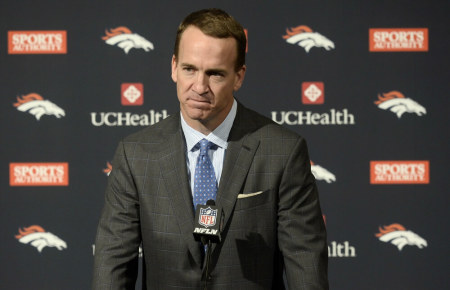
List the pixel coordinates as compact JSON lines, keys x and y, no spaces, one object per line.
{"x":208,"y":258}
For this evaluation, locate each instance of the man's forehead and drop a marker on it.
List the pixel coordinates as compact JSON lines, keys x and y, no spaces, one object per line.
{"x":195,"y":46}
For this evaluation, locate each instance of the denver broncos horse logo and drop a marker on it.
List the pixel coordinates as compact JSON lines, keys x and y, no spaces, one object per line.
{"x":125,"y":39}
{"x":306,"y":38}
{"x":37,"y":106}
{"x":397,"y":235}
{"x":39,"y":238}
{"x":321,"y":173}
{"x":398,"y":104}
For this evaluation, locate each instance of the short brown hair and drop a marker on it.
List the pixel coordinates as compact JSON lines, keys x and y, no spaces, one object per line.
{"x":215,"y":23}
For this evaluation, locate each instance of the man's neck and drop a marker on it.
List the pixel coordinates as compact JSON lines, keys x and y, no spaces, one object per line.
{"x":207,"y":126}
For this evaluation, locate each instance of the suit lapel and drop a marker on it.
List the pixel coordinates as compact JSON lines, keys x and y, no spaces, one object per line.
{"x":174,"y":173}
{"x":238,"y":159}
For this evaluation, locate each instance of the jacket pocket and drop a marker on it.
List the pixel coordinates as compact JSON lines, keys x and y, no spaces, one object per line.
{"x":249,"y":200}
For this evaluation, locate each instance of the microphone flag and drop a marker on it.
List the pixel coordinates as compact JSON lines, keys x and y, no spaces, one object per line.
{"x":208,"y":219}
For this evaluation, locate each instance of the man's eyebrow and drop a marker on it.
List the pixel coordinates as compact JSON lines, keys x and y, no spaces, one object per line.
{"x":187,"y":65}
{"x":208,"y":71}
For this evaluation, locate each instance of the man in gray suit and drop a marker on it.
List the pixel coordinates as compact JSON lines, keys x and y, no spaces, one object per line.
{"x":272,"y":217}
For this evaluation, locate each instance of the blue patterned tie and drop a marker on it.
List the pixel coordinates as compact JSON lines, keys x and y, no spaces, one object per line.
{"x":205,"y":184}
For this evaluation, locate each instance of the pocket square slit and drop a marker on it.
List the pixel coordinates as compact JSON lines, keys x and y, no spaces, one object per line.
{"x":245,"y":195}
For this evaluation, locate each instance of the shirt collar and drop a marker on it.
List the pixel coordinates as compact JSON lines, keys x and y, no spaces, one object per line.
{"x":219,"y":136}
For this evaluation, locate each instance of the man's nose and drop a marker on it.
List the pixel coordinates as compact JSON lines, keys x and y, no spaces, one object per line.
{"x":201,"y":85}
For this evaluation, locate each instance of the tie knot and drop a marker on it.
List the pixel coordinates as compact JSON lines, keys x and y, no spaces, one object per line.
{"x":205,"y":145}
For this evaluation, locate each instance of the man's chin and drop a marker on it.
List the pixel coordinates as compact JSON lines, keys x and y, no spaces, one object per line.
{"x":196,"y":114}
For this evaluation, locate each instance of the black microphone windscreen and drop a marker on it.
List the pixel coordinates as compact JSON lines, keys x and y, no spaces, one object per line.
{"x":210,"y":202}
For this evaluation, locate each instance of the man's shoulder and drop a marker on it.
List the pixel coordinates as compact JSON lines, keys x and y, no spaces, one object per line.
{"x":155,"y":133}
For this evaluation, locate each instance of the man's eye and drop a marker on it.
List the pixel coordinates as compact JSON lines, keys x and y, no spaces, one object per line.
{"x":188,"y":69}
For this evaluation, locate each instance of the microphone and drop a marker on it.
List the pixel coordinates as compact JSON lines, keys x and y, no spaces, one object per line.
{"x":208,"y":223}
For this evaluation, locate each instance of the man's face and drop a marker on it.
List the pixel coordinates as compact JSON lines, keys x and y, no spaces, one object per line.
{"x":206,"y":78}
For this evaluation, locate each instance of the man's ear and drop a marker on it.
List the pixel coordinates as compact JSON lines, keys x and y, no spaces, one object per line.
{"x":240,"y":74}
{"x":174,"y":69}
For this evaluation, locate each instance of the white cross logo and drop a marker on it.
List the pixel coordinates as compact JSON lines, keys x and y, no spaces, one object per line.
{"x":313,"y":93}
{"x":132,"y":94}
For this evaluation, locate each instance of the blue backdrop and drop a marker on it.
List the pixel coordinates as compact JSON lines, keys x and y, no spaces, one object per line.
{"x":78,"y":76}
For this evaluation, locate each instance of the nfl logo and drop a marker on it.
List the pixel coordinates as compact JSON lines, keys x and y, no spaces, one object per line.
{"x":207,"y":217}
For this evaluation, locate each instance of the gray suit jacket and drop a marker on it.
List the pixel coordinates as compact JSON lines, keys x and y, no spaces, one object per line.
{"x":149,"y":201}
